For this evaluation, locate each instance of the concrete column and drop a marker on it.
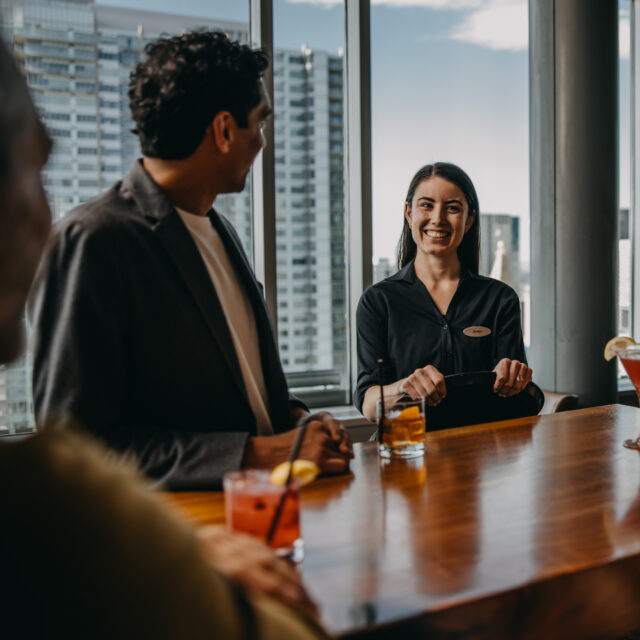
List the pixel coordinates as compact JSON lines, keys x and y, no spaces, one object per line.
{"x":574,"y":194}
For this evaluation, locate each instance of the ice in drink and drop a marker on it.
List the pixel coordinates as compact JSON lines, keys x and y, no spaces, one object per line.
{"x":403,"y":428}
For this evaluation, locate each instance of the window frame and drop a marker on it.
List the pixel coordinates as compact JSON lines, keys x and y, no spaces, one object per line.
{"x":634,"y":228}
{"x":358,"y":211}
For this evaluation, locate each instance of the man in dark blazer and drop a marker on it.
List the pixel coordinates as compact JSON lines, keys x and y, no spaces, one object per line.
{"x":150,"y":328}
{"x":93,"y":552}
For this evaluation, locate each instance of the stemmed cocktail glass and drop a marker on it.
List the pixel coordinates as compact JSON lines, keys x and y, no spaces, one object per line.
{"x":630,"y":358}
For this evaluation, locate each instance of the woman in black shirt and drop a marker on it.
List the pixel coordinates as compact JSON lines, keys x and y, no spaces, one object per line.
{"x":437,"y":315}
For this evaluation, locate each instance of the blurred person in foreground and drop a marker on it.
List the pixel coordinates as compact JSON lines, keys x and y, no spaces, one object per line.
{"x":437,"y":315}
{"x":150,"y":327}
{"x":87,"y":550}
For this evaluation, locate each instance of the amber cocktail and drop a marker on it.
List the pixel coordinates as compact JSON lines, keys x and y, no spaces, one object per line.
{"x":251,"y":501}
{"x":403,"y":428}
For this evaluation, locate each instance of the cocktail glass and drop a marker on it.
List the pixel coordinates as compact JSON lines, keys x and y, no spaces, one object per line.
{"x":403,"y":427}
{"x":251,"y":500}
{"x":630,"y":358}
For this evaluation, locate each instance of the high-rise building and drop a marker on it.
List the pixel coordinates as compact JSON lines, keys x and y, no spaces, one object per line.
{"x":382,"y":269}
{"x":624,"y":274}
{"x":77,"y":57}
{"x":309,"y":157}
{"x":499,"y":247}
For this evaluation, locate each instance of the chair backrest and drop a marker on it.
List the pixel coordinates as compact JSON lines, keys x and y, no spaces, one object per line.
{"x":556,"y":402}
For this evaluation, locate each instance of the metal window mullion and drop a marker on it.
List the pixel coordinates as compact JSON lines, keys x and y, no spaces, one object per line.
{"x":263,"y":174}
{"x":635,"y":165}
{"x":358,"y":146}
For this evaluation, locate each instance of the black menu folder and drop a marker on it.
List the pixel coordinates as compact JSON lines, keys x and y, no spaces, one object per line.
{"x":471,"y":400}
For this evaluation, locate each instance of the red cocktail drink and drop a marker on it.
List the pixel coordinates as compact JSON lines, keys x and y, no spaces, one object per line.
{"x":630,"y":358}
{"x":251,"y":501}
{"x":631,"y":364}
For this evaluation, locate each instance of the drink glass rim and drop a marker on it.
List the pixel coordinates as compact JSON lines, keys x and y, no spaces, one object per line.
{"x":238,"y":474}
{"x":632,"y":352}
{"x":396,"y":399}
{"x":257,"y":478}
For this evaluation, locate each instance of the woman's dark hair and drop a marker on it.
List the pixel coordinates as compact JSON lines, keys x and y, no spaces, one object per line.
{"x":469,"y":249}
{"x":184,"y":81}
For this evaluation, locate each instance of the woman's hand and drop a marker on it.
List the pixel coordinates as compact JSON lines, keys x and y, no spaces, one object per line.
{"x":427,"y":382}
{"x":256,"y":566}
{"x":512,"y":376}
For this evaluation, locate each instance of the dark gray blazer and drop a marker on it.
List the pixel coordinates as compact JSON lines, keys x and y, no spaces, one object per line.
{"x":130,"y":340}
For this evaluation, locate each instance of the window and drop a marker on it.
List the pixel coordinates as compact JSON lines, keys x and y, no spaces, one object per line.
{"x":624,"y":197}
{"x":453,"y":80}
{"x":64,"y":117}
{"x":311,"y":218}
{"x":60,"y":133}
{"x":102,"y":64}
{"x":309,"y":97}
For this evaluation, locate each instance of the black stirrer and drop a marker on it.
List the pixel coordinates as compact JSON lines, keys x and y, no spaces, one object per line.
{"x":381,"y":416}
{"x":294,"y":454}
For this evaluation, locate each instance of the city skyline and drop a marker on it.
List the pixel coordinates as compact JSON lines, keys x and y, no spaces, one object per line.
{"x":77,"y":57}
{"x":475,"y":54}
{"x":446,"y":85}
{"x":478,"y":44}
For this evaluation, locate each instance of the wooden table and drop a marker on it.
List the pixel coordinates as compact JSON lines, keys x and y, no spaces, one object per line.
{"x":527,"y":528}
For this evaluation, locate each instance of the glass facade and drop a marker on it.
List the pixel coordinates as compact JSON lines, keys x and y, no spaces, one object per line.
{"x":309,"y":107}
{"x":624,"y":221}
{"x":449,"y":82}
{"x":77,"y":57}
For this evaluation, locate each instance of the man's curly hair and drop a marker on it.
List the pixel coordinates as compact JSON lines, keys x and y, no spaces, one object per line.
{"x":184,"y":81}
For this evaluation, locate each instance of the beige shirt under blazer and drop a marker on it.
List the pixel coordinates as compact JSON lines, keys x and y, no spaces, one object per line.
{"x":238,"y":313}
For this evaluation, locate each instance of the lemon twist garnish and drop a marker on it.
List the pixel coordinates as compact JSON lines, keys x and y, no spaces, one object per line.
{"x":617,"y":345}
{"x":305,"y":471}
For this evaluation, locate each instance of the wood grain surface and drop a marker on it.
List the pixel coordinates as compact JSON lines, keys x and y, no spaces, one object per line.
{"x":526,"y":528}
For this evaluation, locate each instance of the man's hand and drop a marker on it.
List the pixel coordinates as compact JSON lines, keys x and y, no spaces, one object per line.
{"x":427,"y":382}
{"x":512,"y":376}
{"x":326,"y":442}
{"x":334,"y":453}
{"x":255,"y":566}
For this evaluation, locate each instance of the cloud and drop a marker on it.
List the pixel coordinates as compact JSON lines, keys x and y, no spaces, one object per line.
{"x":501,"y":25}
{"x":450,"y":5}
{"x":497,"y":25}
{"x":427,"y":4}
{"x":324,"y":3}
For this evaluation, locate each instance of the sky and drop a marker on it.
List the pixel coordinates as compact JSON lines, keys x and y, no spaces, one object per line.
{"x":449,"y":82}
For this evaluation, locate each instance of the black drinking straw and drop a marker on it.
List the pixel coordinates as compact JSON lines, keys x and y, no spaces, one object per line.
{"x":381,"y":416}
{"x":294,"y":454}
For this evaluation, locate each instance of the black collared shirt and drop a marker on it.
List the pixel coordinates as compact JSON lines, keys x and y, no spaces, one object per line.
{"x":397,"y":320}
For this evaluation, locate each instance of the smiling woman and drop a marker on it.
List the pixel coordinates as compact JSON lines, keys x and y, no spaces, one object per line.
{"x":437,"y":316}
{"x":452,"y":77}
{"x":441,"y":201}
